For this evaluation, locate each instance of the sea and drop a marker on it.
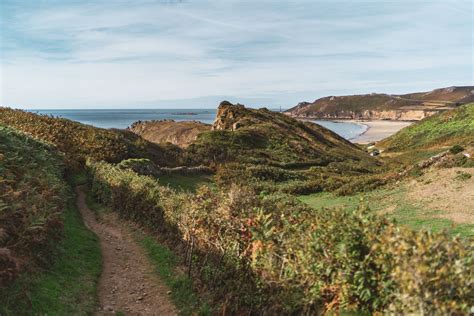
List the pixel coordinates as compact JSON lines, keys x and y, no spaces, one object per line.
{"x":123,"y":118}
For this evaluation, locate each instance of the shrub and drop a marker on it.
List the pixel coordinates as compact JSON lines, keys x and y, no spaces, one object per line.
{"x":456,"y":149}
{"x":462,"y":176}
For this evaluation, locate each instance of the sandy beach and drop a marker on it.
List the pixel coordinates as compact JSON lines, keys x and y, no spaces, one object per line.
{"x":377,"y":130}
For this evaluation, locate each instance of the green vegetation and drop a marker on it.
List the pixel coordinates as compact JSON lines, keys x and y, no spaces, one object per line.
{"x":392,"y":203}
{"x":166,"y":264}
{"x":271,"y":253}
{"x":79,"y":142}
{"x":462,"y":176}
{"x":33,"y":196}
{"x":241,"y":236}
{"x":265,"y":137}
{"x":68,"y":286}
{"x":351,"y":106}
{"x":455,"y":127}
{"x":50,"y":262}
{"x":189,"y":183}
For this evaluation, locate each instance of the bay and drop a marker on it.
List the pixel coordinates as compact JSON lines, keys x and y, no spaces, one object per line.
{"x":123,"y":118}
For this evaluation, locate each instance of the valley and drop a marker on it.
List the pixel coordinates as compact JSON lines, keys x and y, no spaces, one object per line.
{"x":258,"y":213}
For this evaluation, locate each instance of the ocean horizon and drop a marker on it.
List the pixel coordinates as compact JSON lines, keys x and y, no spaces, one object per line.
{"x":123,"y":118}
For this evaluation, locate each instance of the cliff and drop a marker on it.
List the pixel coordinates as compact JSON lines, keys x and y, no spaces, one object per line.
{"x":407,"y":107}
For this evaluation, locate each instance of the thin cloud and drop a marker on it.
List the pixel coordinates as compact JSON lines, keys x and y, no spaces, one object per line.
{"x":119,"y":53}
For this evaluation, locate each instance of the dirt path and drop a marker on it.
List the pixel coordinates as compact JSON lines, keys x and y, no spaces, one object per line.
{"x":128,"y":283}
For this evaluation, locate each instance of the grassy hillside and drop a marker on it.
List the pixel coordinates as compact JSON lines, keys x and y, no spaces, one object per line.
{"x":32,"y":198}
{"x":337,"y":105}
{"x":263,"y":136}
{"x":49,"y":261}
{"x":79,"y":142}
{"x":439,"y":199}
{"x":455,"y":127}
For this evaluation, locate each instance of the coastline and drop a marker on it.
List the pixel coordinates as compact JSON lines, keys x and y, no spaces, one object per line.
{"x":373,"y":130}
{"x":377,"y":130}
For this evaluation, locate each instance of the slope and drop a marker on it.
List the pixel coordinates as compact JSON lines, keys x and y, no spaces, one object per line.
{"x":454,"y":127}
{"x":79,"y":142}
{"x":263,"y":136}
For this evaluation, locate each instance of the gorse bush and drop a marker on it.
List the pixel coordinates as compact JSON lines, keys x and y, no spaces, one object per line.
{"x":270,"y":254}
{"x":430,"y":273}
{"x":32,"y":198}
{"x":456,"y":149}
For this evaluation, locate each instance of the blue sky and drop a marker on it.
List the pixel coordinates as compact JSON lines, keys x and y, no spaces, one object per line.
{"x":193,"y":53}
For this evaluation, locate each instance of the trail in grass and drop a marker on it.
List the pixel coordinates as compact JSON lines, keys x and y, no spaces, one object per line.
{"x":128,"y":283}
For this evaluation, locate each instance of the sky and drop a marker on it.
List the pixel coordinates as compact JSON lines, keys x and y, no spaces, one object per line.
{"x":195,"y":53}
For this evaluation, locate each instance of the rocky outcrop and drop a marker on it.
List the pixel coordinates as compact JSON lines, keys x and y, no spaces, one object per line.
{"x":229,"y":116}
{"x":181,"y":134}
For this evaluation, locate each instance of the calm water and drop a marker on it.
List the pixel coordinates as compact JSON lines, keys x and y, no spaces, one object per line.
{"x":124,"y":118}
{"x":348,"y":130}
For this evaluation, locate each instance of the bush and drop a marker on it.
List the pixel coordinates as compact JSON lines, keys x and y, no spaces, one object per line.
{"x":462,"y":176}
{"x":456,"y":149}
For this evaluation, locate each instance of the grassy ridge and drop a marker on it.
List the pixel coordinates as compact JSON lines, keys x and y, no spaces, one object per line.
{"x":444,"y":129}
{"x":263,"y":136}
{"x":345,"y":106}
{"x":79,"y":142}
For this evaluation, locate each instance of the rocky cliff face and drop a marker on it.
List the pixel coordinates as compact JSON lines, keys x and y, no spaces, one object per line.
{"x":229,"y":116}
{"x":409,"y":107}
{"x":396,"y":115}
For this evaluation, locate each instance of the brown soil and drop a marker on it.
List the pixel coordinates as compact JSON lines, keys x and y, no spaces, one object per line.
{"x":181,"y":134}
{"x":443,"y":190}
{"x":128,"y":283}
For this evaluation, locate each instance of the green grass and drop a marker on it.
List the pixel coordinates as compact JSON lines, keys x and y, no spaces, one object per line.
{"x":69,"y":286}
{"x":455,"y":127}
{"x":401,"y":210}
{"x":188,"y":183}
{"x":166,"y":265}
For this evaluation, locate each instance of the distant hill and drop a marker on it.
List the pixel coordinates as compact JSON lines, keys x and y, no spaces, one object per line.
{"x":251,"y":135}
{"x":168,"y":131}
{"x":413,"y":106}
{"x":79,"y":141}
{"x":454,"y":127}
